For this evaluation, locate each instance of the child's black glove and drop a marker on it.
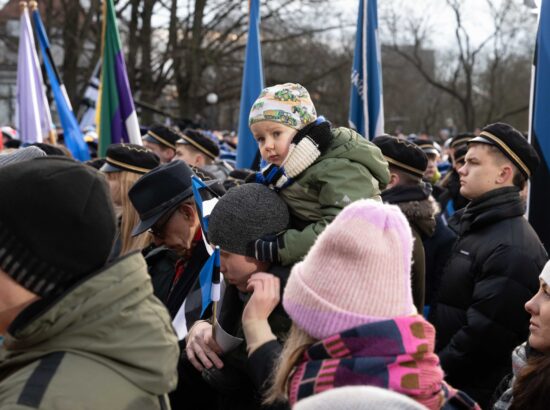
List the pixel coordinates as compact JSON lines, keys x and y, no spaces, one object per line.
{"x":308,"y":144}
{"x":266,"y":249}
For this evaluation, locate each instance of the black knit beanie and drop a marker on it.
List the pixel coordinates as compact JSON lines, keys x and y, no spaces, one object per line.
{"x":57,"y":224}
{"x":246,"y":213}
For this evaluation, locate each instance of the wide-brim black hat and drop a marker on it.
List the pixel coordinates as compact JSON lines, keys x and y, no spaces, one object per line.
{"x":160,"y":191}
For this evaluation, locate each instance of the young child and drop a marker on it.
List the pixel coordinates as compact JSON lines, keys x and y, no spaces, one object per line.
{"x":316,"y":169}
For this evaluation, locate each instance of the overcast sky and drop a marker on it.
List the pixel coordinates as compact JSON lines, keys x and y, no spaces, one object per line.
{"x":438,"y":13}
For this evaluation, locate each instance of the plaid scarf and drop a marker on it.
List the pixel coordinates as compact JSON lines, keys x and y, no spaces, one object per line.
{"x":396,"y":354}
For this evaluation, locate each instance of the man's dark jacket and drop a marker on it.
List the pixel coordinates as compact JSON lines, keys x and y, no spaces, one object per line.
{"x":493,"y":271}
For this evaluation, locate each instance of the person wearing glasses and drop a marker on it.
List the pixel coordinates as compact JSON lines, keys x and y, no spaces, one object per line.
{"x":164,"y":201}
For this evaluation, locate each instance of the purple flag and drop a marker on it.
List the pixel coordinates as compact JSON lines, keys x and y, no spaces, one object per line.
{"x":33,"y":112}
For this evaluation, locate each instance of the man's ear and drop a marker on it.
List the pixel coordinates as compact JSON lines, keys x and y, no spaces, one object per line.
{"x":189,"y":212}
{"x":506,"y":174}
{"x":199,"y":160}
{"x":394,"y":179}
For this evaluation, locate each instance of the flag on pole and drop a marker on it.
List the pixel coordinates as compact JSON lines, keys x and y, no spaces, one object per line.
{"x":117,"y":116}
{"x":74,"y":140}
{"x":87,"y":110}
{"x":366,"y":114}
{"x":201,"y":294}
{"x":209,"y":278}
{"x":253,"y":83}
{"x":539,"y":133}
{"x":205,"y":200}
{"x":33,"y":113}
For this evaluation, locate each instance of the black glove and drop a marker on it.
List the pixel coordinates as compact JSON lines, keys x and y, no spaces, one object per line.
{"x":266,"y":249}
{"x":318,"y":132}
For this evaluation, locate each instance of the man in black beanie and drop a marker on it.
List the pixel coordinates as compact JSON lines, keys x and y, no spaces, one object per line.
{"x":62,"y":310}
{"x":242,"y":215}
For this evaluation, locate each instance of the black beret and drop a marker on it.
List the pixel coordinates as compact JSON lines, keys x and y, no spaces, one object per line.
{"x":201,"y":142}
{"x":129,"y":157}
{"x":461,"y":139}
{"x":162,"y":135}
{"x":512,"y":144}
{"x":403,"y":154}
{"x":460,"y":153}
{"x":427,"y":146}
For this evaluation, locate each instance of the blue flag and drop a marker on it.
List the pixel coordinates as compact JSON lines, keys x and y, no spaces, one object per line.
{"x":209,"y":278}
{"x":74,"y":140}
{"x":206,"y":200}
{"x":540,"y":129}
{"x":253,"y":84}
{"x":366,"y":113}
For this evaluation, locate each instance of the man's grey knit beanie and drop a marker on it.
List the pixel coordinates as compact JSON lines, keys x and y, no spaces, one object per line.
{"x":246,"y":213}
{"x":23,"y":154}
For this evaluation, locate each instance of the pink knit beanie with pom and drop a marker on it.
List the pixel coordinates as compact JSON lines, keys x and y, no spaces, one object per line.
{"x":357,"y":272}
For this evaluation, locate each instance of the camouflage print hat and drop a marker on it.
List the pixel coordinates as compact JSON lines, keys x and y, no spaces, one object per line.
{"x":288,"y":104}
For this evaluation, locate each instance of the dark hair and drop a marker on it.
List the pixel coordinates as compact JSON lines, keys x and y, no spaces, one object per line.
{"x":405,"y":179}
{"x":531,"y":389}
{"x":518,"y":179}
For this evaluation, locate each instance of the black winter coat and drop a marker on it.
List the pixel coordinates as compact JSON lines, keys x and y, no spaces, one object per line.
{"x":493,"y":271}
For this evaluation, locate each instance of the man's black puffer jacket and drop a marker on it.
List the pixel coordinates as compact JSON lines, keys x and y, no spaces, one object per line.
{"x":492,"y":272}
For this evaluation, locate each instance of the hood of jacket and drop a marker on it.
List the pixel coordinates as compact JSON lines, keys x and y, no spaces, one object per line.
{"x":112,"y":318}
{"x":417,"y":205}
{"x":350,"y":145}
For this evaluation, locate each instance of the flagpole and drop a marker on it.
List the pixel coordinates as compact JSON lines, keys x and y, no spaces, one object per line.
{"x":214,"y":318}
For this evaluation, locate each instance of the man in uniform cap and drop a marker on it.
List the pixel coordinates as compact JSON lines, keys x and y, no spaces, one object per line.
{"x":162,"y":141}
{"x":493,"y":270}
{"x":431,"y":174}
{"x":407,"y":163}
{"x":447,"y":191}
{"x":198,"y":150}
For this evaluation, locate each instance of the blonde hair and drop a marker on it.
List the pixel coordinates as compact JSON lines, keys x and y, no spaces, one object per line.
{"x":129,"y":216}
{"x":297,"y":342}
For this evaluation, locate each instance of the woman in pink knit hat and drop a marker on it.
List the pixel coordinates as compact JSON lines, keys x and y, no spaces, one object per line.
{"x":354,"y":321}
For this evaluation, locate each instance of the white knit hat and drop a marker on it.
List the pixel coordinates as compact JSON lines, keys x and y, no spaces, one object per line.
{"x":358,"y":398}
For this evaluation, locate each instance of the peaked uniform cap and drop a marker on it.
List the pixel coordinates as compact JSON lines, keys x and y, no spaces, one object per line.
{"x":402,"y":154}
{"x":129,"y":157}
{"x":512,"y":144}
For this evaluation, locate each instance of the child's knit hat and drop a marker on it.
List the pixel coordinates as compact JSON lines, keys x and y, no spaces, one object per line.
{"x":288,"y":104}
{"x":357,"y":272}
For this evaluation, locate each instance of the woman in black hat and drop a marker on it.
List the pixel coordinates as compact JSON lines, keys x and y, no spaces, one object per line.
{"x":125,"y":164}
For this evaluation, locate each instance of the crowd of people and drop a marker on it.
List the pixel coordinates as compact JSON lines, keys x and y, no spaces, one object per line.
{"x":398,"y":273}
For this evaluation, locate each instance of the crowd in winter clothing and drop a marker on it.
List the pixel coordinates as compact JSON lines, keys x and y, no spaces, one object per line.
{"x":356,"y":274}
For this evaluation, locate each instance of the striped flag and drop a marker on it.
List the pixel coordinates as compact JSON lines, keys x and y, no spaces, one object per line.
{"x":33,"y":113}
{"x":207,"y":289}
{"x":205,"y":200}
{"x":253,"y":84}
{"x":366,"y":113}
{"x":87,"y":108}
{"x":74,"y":140}
{"x":117,"y":116}
{"x":539,"y":132}
{"x":209,"y":278}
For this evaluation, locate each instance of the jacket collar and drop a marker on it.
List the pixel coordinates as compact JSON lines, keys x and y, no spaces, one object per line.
{"x":491,"y":207}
